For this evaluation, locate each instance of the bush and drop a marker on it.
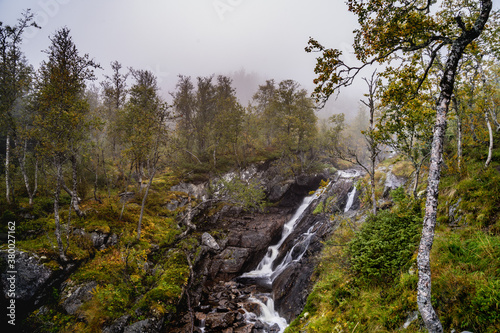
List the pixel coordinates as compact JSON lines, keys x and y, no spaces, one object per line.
{"x":386,"y":243}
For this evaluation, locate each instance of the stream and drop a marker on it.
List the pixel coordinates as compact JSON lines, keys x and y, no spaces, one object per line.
{"x":268,"y":269}
{"x":272,"y":293}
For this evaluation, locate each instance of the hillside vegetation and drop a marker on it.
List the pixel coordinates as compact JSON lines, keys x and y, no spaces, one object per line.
{"x":366,"y":278}
{"x":103,"y":181}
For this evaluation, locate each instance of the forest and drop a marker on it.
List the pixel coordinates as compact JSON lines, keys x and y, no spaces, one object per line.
{"x":92,"y":178}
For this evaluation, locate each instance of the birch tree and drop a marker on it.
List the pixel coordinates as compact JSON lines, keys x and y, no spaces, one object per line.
{"x":399,"y":31}
{"x":14,"y":78}
{"x":61,"y":122}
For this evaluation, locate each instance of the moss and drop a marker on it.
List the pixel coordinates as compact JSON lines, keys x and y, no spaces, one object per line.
{"x":403,"y":169}
{"x":107,"y":267}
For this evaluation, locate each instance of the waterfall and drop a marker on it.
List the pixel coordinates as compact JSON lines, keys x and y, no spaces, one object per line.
{"x":269,"y":314}
{"x":283,"y":272}
{"x":350,"y":199}
{"x":265,"y":268}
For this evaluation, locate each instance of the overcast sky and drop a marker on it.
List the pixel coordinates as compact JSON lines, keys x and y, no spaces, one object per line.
{"x":266,"y":38}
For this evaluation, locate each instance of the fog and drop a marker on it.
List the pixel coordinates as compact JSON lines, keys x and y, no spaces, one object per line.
{"x":249,"y":40}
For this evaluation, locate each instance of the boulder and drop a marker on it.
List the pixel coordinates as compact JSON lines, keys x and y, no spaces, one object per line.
{"x":117,"y":326}
{"x":100,"y":240}
{"x":233,"y":259}
{"x":218,"y":321}
{"x":209,"y":241}
{"x":126,"y":196}
{"x":150,"y":325}
{"x":198,"y":191}
{"x":392,"y":182}
{"x":454,"y":213}
{"x":30,"y":275}
{"x":73,"y":296}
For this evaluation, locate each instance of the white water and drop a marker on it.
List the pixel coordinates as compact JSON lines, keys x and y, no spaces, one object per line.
{"x":350,"y":199}
{"x":268,"y":314}
{"x":265,"y":267}
{"x":349,"y":173}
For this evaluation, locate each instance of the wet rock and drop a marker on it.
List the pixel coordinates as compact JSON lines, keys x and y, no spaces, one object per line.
{"x":247,"y":328}
{"x":209,"y":241}
{"x":150,"y":325}
{"x":454,"y":216}
{"x":73,"y":296}
{"x":260,"y":327}
{"x":30,"y":277}
{"x":392,"y":182}
{"x":219,"y":321}
{"x":274,"y":328}
{"x":117,"y":326}
{"x":126,"y":196}
{"x":100,"y":240}
{"x":233,"y":259}
{"x":198,"y":191}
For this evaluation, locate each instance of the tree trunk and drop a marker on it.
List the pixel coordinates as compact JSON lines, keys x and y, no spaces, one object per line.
{"x":105,"y":173}
{"x":57,"y":220}
{"x":75,"y":200}
{"x":96,"y":178}
{"x":374,"y":198}
{"x":126,"y":189}
{"x":139,"y":224}
{"x":7,"y":166}
{"x":459,"y":145}
{"x":35,"y":185}
{"x":490,"y":132}
{"x":427,"y":312}
{"x":22,"y":166}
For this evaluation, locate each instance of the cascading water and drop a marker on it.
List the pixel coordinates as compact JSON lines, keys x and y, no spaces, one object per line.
{"x":350,"y":199}
{"x":268,"y":270}
{"x":265,"y":268}
{"x":282,"y":278}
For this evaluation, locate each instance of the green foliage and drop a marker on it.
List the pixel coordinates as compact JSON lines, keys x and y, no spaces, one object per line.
{"x":113,"y":300}
{"x":466,"y":280}
{"x":245,"y":194}
{"x":480,"y":193}
{"x":340,"y":302}
{"x":49,"y":320}
{"x":386,"y":243}
{"x":169,"y":280}
{"x":7,"y":216}
{"x":107,"y":267}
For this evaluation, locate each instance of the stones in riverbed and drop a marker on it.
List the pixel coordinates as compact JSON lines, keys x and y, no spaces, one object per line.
{"x":232,"y":310}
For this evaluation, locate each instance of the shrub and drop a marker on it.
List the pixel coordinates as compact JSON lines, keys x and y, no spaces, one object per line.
{"x":386,"y":242}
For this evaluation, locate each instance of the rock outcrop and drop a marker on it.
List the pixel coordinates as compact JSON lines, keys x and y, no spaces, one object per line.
{"x":226,"y":302}
{"x":73,"y":296}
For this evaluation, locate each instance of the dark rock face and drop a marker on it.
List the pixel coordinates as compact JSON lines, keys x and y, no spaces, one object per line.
{"x":222,"y":306}
{"x":117,"y":326}
{"x":301,"y":188}
{"x":34,"y":282}
{"x":30,"y":277}
{"x":73,"y":296}
{"x":151,"y":325}
{"x":100,"y":240}
{"x":249,"y":236}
